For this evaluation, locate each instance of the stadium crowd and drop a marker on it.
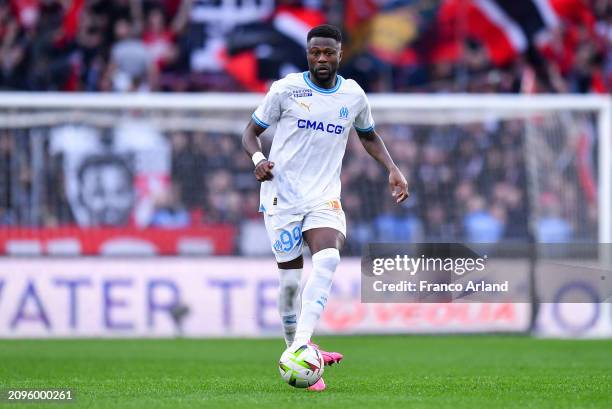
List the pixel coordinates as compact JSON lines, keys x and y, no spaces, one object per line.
{"x":390,"y":46}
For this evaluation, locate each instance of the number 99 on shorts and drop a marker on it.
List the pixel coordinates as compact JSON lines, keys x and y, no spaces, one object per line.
{"x":288,"y":240}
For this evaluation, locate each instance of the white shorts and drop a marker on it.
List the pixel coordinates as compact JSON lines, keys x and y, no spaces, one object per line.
{"x":285,"y":230}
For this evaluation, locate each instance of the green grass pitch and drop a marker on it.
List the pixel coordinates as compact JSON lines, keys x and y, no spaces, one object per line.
{"x":378,"y":372}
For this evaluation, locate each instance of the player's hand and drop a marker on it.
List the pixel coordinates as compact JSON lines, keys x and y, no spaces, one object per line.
{"x":398,"y":185}
{"x":263,"y":171}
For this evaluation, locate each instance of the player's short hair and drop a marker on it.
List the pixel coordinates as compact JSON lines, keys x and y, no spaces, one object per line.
{"x":326,"y":31}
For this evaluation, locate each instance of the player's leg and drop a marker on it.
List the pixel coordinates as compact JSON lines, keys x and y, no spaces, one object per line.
{"x":325,"y":244}
{"x":324,"y":230}
{"x":286,"y":239}
{"x":290,"y":278}
{"x":325,"y":240}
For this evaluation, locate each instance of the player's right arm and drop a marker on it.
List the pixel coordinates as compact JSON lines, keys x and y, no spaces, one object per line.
{"x":267,"y":113}
{"x":252,"y":145}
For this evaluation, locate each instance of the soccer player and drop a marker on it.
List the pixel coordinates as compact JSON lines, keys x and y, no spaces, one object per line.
{"x":300,"y":181}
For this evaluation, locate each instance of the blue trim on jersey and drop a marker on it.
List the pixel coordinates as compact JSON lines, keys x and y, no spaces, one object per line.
{"x":323,"y":90}
{"x":368,"y":129}
{"x":259,"y":121}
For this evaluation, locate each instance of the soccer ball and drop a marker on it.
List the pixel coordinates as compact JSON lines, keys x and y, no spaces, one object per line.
{"x":301,"y":367}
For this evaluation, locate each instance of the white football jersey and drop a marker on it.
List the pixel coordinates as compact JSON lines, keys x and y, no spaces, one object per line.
{"x":312,"y":130}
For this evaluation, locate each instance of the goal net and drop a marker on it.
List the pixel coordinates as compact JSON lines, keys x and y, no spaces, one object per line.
{"x":166,"y":174}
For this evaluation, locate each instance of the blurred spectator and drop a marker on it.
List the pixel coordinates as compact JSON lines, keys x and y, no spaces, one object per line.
{"x":188,"y":170}
{"x":6,"y":203}
{"x":437,"y":224}
{"x":169,"y":213}
{"x":513,"y":200}
{"x":131,"y":66}
{"x":552,"y":228}
{"x":159,"y":39}
{"x":224,"y":203}
{"x":395,"y":225}
{"x":89,"y":55}
{"x":12,"y":50}
{"x":483,"y":225}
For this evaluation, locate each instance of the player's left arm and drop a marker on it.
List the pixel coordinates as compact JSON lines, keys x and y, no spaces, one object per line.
{"x":374,"y":145}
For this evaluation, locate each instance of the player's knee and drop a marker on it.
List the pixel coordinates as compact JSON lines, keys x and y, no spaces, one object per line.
{"x":290,"y":288}
{"x":326,"y":260}
{"x":290,"y":282}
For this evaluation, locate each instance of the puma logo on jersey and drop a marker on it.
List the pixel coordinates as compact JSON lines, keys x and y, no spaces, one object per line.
{"x":306,"y":106}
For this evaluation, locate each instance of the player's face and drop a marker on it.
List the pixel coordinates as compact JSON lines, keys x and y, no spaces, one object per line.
{"x":324,"y":56}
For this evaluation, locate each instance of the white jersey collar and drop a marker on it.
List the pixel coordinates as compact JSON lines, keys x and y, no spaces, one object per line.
{"x":323,"y":90}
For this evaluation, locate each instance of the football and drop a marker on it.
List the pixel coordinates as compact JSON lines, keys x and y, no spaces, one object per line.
{"x":301,"y":367}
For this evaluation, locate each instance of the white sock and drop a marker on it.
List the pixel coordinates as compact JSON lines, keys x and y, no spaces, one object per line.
{"x":316,"y":291}
{"x":289,"y":301}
